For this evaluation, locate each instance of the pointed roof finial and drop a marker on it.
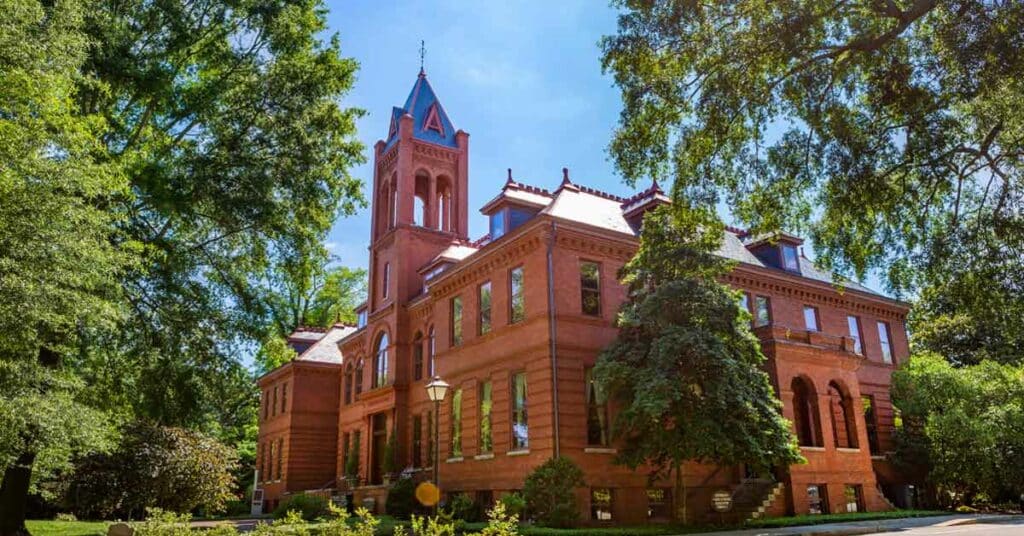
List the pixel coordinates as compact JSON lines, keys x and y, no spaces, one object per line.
{"x":423,"y":52}
{"x":565,"y":176}
{"x":509,"y":174}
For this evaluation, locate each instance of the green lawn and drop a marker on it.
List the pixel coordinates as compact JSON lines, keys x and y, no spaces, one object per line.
{"x":67,"y":528}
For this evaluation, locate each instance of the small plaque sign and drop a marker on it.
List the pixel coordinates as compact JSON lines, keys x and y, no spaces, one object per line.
{"x":722,"y":501}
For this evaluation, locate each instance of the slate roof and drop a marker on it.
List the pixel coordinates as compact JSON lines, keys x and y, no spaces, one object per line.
{"x":419,"y":104}
{"x":318,"y":344}
{"x":602,"y":210}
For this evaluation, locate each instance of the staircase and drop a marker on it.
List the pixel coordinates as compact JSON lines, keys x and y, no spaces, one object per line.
{"x":752,"y":498}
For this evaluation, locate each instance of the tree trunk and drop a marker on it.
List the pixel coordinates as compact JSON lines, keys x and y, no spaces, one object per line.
{"x":679,"y":495}
{"x":14,"y":496}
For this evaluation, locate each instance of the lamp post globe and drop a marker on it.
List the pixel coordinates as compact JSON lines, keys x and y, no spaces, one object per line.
{"x":436,"y":391}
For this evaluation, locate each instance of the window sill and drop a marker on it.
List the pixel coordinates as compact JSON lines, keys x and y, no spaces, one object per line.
{"x":846,"y":449}
{"x":487,"y":456}
{"x":600,"y":450}
{"x":522,"y":452}
{"x":456,"y":459}
{"x":878,"y":457}
{"x":812,"y":449}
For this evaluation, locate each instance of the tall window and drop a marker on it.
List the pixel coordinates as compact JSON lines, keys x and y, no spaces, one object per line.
{"x":417,"y":441}
{"x":456,"y":321}
{"x":590,"y":288}
{"x":520,"y":427}
{"x":284,"y":397}
{"x":659,"y":502}
{"x":380,"y":362}
{"x":762,"y":311}
{"x":280,"y":459}
{"x":484,"y":320}
{"x":486,"y":444}
{"x":597,"y":411}
{"x":811,"y":318}
{"x":883,"y":338}
{"x":853,"y":324}
{"x":456,"y":427}
{"x":348,"y":386}
{"x":385,"y":280}
{"x":745,"y":301}
{"x":870,"y":422}
{"x":273,"y":407}
{"x":517,"y":306}
{"x":417,"y":357}
{"x":359,"y":378}
{"x":789,"y":258}
{"x":266,"y":404}
{"x":430,"y":352}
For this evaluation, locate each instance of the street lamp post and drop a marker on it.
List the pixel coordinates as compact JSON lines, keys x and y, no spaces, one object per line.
{"x":436,"y":391}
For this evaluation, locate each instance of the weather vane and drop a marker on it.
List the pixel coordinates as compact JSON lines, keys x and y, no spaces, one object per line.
{"x":423,"y":52}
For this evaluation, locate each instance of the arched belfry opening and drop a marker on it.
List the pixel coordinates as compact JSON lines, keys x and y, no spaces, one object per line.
{"x":444,"y":203}
{"x":421,"y":200}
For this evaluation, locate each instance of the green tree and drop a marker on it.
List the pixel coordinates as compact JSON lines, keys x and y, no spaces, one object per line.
{"x":154,"y":467}
{"x":307,"y":288}
{"x":60,"y":254}
{"x":685,"y":356}
{"x":888,"y":131}
{"x":200,"y":140}
{"x":965,"y":425}
{"x":550,"y":492}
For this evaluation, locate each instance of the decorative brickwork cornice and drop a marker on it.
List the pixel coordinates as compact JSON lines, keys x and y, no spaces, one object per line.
{"x":848,"y":300}
{"x":437,"y":153}
{"x":593,"y":244}
{"x":487,"y":260}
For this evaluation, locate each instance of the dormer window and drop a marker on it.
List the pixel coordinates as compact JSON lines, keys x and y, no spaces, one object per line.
{"x":508,"y":219}
{"x":790,"y":260}
{"x":498,"y":224}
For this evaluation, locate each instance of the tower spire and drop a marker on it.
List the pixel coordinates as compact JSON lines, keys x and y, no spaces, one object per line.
{"x":423,"y":52}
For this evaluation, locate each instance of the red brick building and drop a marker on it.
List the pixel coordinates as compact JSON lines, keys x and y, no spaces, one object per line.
{"x":514,"y":322}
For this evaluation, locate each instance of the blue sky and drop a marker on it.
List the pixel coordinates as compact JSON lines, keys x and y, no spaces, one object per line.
{"x":522,"y":78}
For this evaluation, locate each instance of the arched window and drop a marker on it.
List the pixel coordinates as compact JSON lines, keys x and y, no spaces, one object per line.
{"x":844,"y":430}
{"x":358,"y":377}
{"x":380,"y":362}
{"x":805,"y":413}
{"x":430,"y":353}
{"x":417,"y":356}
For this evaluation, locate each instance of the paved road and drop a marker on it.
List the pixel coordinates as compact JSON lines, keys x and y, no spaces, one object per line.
{"x":1009,"y":528}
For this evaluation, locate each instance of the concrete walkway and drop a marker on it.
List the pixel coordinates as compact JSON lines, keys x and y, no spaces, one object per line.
{"x":877,"y":526}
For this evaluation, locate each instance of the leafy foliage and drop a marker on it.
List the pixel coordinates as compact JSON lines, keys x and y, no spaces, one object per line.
{"x":895,"y":118}
{"x":174,"y":469}
{"x":352,"y":463}
{"x":966,"y":425}
{"x":685,"y":356}
{"x":550,"y":492}
{"x":514,"y":504}
{"x":308,"y":507}
{"x":402,"y":502}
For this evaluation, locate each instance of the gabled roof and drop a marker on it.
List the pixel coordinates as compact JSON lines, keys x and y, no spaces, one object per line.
{"x":319,"y":344}
{"x":430,"y":121}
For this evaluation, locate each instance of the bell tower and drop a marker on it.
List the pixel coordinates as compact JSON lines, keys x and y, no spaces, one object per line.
{"x":420,"y":194}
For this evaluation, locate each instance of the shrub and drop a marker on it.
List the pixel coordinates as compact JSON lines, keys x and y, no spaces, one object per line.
{"x":310,"y":507}
{"x":550,"y":493}
{"x":462,"y":506}
{"x":514,"y":504}
{"x":402,"y":501}
{"x":63,"y":516}
{"x":153,"y":467}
